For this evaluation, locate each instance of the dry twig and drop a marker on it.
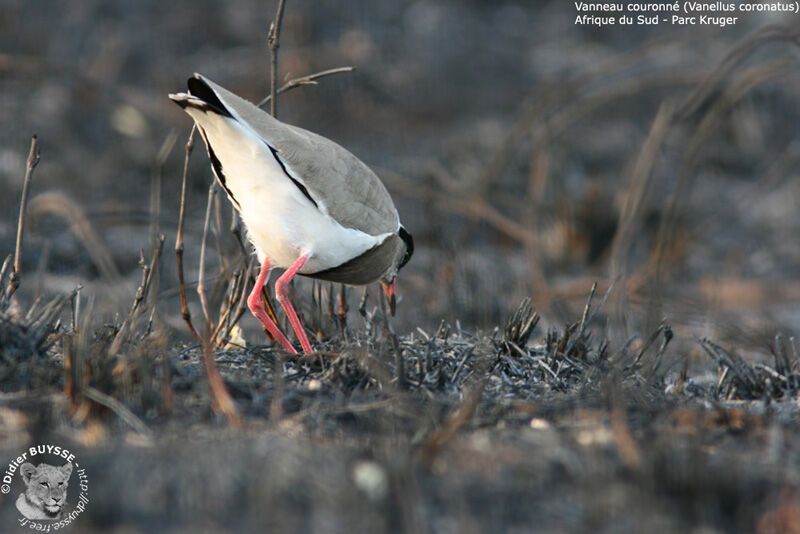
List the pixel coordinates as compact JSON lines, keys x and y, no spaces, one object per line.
{"x":60,"y":205}
{"x":32,"y":162}
{"x":222,"y":402}
{"x":141,"y":296}
{"x":118,"y":408}
{"x":201,"y":288}
{"x":273,"y":40}
{"x":187,"y":316}
{"x":309,"y":79}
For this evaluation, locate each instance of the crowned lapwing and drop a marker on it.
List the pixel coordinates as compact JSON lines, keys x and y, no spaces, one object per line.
{"x":310,"y":206}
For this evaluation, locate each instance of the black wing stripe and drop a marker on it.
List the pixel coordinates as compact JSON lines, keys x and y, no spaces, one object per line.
{"x":217,"y":166}
{"x":298,"y":184}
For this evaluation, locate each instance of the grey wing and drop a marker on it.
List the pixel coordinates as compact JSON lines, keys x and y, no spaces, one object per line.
{"x":353,"y":195}
{"x":340,"y":183}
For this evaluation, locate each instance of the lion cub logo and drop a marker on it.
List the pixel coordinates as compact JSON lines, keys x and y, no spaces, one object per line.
{"x":47,"y":490}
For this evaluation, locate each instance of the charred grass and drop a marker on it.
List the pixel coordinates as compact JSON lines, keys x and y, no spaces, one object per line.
{"x":520,"y":428}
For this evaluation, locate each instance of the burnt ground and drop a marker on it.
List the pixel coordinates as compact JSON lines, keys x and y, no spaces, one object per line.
{"x":530,"y":158}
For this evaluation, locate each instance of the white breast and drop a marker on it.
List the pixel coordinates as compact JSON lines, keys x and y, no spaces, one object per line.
{"x":282,"y":223}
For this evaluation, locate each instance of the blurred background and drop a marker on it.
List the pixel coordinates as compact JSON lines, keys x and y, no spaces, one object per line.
{"x":528,"y":156}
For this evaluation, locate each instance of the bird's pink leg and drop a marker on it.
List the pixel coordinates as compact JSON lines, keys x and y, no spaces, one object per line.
{"x":282,"y":292}
{"x":257,"y":307}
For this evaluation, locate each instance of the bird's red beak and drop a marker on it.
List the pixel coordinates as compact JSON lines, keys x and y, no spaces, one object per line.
{"x":388,"y":290}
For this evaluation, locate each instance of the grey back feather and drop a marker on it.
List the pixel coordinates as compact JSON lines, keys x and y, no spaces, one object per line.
{"x":339,"y":182}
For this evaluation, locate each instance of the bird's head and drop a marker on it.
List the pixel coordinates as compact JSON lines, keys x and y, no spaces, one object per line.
{"x":389,"y":281}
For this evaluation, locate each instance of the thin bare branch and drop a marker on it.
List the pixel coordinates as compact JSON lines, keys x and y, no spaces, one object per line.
{"x":141,"y":296}
{"x":216,"y":228}
{"x":201,"y":288}
{"x":32,"y":162}
{"x":390,"y":333}
{"x":236,"y":293}
{"x":155,"y":183}
{"x":273,"y":40}
{"x":240,"y":305}
{"x":187,"y":317}
{"x":309,"y":79}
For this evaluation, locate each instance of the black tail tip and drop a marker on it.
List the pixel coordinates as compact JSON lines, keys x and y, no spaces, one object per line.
{"x":199,"y":88}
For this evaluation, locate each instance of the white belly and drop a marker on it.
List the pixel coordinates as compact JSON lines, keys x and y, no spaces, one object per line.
{"x":282,"y":223}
